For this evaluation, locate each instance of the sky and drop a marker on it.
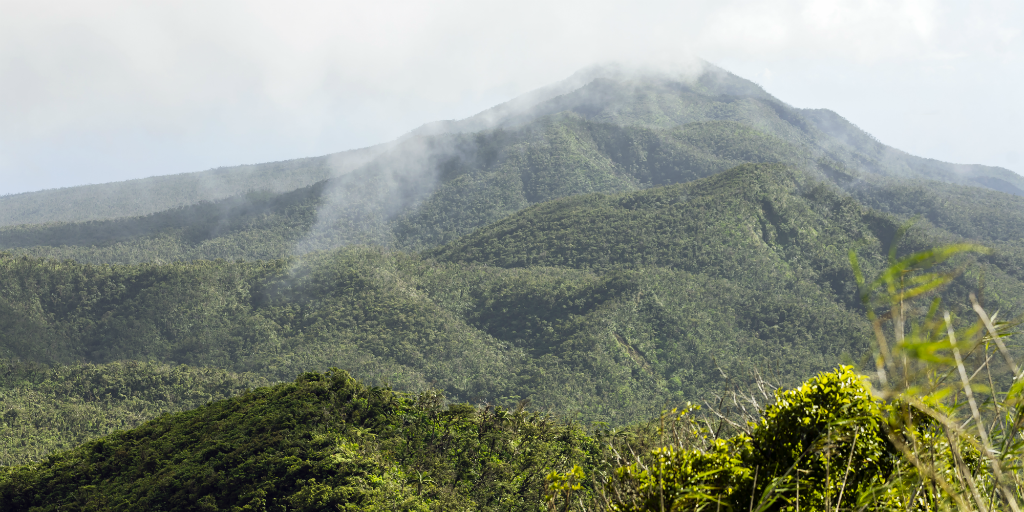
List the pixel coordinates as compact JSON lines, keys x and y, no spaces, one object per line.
{"x":98,"y":91}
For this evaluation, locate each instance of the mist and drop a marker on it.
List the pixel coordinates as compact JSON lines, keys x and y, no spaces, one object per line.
{"x":590,"y":132}
{"x":114,"y":91}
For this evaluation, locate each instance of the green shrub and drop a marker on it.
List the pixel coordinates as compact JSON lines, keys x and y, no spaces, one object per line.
{"x":822,"y":444}
{"x":828,"y":438}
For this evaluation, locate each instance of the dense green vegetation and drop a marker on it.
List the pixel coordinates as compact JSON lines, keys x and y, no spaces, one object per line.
{"x":896,"y":440}
{"x":826,"y":435}
{"x":324,"y":442}
{"x":603,"y":307}
{"x":970,"y":212}
{"x":47,"y":409}
{"x":327,"y":442}
{"x":610,"y":346}
{"x":602,"y":255}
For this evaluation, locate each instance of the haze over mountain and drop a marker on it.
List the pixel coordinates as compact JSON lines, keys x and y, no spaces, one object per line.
{"x":91,"y":97}
{"x":619,"y":240}
{"x":601,"y":125}
{"x":753,"y":282}
{"x":150,"y":195}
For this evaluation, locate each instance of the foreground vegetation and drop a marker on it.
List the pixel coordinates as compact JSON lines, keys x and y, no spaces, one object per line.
{"x":914,"y":434}
{"x":322,"y":442}
{"x":326,"y":442}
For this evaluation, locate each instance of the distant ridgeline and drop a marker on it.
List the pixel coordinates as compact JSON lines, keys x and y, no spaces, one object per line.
{"x":145,"y":196}
{"x":602,"y":250}
{"x":601,"y":131}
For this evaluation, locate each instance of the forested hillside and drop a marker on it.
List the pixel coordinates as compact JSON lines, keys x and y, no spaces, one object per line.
{"x":428,"y":192}
{"x":322,"y":442}
{"x":599,"y":250}
{"x":53,"y":408}
{"x":422,"y":193}
{"x":328,"y":442}
{"x":599,"y":306}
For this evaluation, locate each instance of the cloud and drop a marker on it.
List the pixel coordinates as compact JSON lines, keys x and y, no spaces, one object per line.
{"x":201,"y":84}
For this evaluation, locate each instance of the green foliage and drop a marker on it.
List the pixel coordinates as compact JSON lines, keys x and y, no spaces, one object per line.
{"x":327,"y":441}
{"x":840,"y":442}
{"x":324,"y":441}
{"x":603,"y":307}
{"x":822,"y":445}
{"x":683,"y":479}
{"x":49,"y":409}
{"x":971,"y":464}
{"x":828,"y":434}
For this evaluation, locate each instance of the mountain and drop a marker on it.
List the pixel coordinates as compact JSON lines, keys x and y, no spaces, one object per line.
{"x":606,"y":129}
{"x":145,"y":196}
{"x":600,"y":306}
{"x":602,"y":248}
{"x":421,"y":193}
{"x":429,"y":191}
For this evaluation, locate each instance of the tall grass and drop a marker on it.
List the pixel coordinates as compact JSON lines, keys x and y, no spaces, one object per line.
{"x":935,"y":425}
{"x":952,"y":387}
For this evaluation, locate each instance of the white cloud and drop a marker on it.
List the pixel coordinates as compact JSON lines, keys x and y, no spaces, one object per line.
{"x":94,"y":91}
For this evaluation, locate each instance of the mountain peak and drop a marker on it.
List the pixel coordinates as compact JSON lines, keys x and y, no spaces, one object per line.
{"x":694,"y":74}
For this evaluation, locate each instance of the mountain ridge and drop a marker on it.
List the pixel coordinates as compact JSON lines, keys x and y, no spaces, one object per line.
{"x":424,"y":192}
{"x":614,"y":94}
{"x":145,"y":196}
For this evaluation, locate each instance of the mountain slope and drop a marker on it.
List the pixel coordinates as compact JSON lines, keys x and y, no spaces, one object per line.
{"x":426,"y":192}
{"x":724,"y":225}
{"x":704,"y":92}
{"x":763,"y":234}
{"x":145,"y":196}
{"x":322,"y":442}
{"x":885,"y":157}
{"x":605,"y":129}
{"x":422,"y":193}
{"x":765,"y":226}
{"x":601,"y":306}
{"x":47,"y":409}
